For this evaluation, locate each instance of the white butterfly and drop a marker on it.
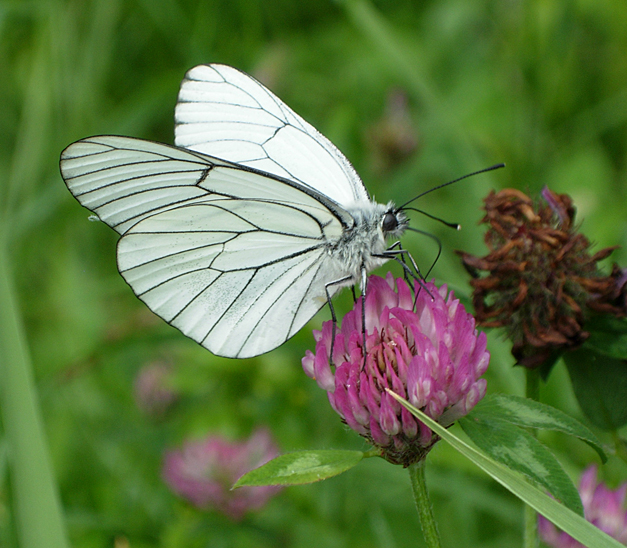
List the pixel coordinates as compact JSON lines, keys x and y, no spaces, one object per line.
{"x":240,"y":233}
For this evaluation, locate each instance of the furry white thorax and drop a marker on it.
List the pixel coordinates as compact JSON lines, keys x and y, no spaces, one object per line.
{"x":358,"y":246}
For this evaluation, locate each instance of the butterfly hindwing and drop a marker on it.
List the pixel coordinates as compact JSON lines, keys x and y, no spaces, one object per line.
{"x":232,"y":257}
{"x":231,"y":285}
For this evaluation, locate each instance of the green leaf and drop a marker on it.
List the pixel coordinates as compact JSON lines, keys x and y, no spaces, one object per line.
{"x":600,"y":385}
{"x":562,"y":517}
{"x":608,"y":336}
{"x":516,"y":448}
{"x":533,"y":414}
{"x":301,"y":467}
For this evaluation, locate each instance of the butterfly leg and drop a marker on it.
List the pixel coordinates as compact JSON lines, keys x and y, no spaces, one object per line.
{"x":399,"y":256}
{"x":396,"y":251}
{"x":420,"y":279}
{"x":364,"y":287}
{"x":339,"y":281}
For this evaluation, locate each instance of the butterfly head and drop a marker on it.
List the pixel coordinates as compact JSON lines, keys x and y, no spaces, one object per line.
{"x":393,"y":222}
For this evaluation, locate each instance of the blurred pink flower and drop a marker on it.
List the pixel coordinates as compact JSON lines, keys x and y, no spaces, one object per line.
{"x":204,"y":471}
{"x":602,"y":507}
{"x":393,"y":138}
{"x":153,"y":393}
{"x":431,"y":355}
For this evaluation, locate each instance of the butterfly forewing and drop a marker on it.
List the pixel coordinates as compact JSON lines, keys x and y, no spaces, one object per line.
{"x":123,"y":180}
{"x":226,"y":113}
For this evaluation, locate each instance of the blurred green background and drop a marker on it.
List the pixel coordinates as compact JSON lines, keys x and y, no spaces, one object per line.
{"x":415,"y":94}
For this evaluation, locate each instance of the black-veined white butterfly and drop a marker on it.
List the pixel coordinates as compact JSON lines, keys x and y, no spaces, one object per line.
{"x":240,"y":233}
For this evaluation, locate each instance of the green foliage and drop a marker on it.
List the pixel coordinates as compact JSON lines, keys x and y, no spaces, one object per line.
{"x":494,"y":426}
{"x":600,"y":384}
{"x":574,"y":524}
{"x":302,"y":467}
{"x":598,"y":372}
{"x":533,"y":414}
{"x":608,"y":336}
{"x":519,"y":450}
{"x":539,"y":85}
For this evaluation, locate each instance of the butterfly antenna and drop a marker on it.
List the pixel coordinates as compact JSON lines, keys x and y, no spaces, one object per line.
{"x":491,"y":168}
{"x":456,"y":226}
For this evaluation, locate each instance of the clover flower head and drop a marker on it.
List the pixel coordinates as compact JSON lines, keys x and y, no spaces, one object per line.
{"x":427,"y":351}
{"x":203,"y":472}
{"x":603,"y":507}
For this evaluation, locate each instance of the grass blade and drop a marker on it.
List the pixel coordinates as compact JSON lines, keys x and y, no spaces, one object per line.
{"x":562,"y":517}
{"x":36,"y":506}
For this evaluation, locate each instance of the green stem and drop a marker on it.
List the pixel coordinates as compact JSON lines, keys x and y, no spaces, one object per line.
{"x":531,"y":528}
{"x":423,"y":504}
{"x":532,"y":391}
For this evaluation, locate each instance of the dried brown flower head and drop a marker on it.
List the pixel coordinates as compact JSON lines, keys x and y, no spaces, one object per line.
{"x":539,"y":280}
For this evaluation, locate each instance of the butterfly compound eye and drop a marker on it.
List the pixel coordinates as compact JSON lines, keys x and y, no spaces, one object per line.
{"x":389,"y":222}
